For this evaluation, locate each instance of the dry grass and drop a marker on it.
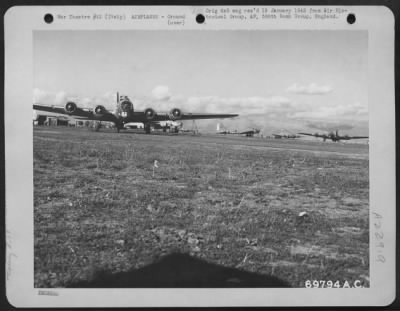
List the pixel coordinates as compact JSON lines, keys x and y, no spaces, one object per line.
{"x":233,"y":202}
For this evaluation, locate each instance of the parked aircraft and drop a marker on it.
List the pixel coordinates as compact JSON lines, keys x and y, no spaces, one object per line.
{"x":285,"y":135}
{"x":125,"y":113}
{"x":277,"y":136}
{"x":250,"y":133}
{"x":334,"y":136}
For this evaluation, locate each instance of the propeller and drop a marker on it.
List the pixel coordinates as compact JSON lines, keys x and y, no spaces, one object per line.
{"x":149,"y":113}
{"x":70,"y":107}
{"x":99,"y":109}
{"x":175,"y":114}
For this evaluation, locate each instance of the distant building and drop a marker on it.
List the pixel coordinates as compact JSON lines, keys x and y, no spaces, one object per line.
{"x":41,"y":120}
{"x":56,"y":121}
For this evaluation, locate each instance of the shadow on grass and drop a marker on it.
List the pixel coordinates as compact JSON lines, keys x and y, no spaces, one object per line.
{"x":181,"y":271}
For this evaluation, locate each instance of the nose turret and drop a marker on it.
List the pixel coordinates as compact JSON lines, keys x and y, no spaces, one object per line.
{"x":126,"y":108}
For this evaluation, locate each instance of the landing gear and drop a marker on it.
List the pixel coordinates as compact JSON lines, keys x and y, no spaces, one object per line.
{"x":119,"y":126}
{"x":147,"y":128}
{"x":97,"y":126}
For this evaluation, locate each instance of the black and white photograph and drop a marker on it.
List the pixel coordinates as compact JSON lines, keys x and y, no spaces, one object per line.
{"x":201,"y":158}
{"x":277,"y":185}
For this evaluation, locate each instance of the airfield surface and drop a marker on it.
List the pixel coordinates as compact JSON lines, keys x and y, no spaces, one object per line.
{"x":295,"y":209}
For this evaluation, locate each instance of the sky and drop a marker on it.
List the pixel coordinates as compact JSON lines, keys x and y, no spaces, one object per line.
{"x":278,"y":81}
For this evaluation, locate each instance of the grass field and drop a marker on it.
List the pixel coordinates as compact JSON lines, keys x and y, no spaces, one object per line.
{"x":100,"y":204}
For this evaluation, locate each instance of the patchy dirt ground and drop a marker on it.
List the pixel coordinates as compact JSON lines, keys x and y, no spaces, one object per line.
{"x":101,"y":204}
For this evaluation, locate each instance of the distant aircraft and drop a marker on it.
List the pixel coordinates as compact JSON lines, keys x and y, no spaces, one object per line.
{"x":125,"y":113}
{"x":334,"y":136}
{"x":285,"y":135}
{"x":250,"y":133}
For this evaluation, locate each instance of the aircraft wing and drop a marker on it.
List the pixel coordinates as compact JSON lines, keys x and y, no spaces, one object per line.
{"x":84,"y":113}
{"x":192,"y":116}
{"x":78,"y":113}
{"x":309,"y":134}
{"x":357,"y":137}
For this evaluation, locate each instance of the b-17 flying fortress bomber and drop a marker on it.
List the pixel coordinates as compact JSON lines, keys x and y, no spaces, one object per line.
{"x":334,"y":136}
{"x":125,"y":113}
{"x":248,"y":133}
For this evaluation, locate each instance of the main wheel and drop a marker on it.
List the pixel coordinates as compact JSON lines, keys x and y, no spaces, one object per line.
{"x":147,"y":128}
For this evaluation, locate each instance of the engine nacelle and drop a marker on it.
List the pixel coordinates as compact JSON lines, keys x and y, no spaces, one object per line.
{"x":175,"y":114}
{"x":70,"y":107}
{"x":149,"y":114}
{"x":100,"y":110}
